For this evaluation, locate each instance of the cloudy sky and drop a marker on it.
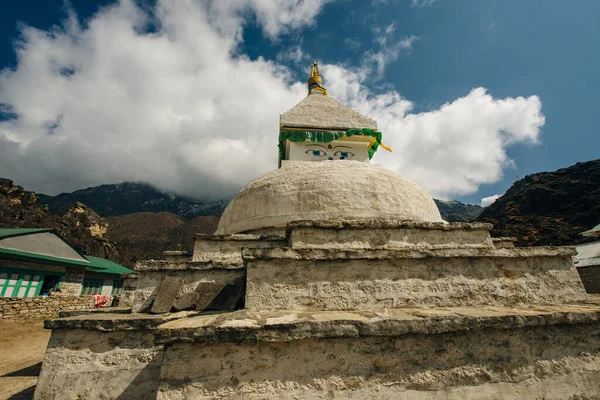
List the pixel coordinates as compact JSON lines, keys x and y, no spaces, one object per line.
{"x":186,"y":94}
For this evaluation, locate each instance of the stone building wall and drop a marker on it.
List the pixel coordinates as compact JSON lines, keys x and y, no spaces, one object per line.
{"x":72,"y":282}
{"x":42,"y":307}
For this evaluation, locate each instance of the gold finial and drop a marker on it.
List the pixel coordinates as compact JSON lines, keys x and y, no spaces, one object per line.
{"x":314,"y":81}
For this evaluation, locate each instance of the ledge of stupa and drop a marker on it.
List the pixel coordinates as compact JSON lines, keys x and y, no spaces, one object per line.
{"x":309,"y":254}
{"x":383,"y":233}
{"x":248,"y":326}
{"x":164,"y":265}
{"x":286,"y":325}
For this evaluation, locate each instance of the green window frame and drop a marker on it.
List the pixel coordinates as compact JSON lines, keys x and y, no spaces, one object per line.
{"x":117,"y":287}
{"x":91,"y":286}
{"x":21,"y":283}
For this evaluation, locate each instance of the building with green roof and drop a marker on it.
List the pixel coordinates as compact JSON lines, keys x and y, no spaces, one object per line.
{"x":39,"y":262}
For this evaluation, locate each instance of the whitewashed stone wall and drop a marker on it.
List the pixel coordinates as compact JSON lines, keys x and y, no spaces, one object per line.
{"x":444,"y":358}
{"x":83,"y":364}
{"x":314,"y":279}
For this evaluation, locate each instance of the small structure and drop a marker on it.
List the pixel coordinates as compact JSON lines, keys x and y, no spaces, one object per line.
{"x":320,"y":128}
{"x":38,"y":262}
{"x":587,"y":261}
{"x":341,"y":280}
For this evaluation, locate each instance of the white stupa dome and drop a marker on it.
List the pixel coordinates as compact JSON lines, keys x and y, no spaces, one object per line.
{"x":325,"y":190}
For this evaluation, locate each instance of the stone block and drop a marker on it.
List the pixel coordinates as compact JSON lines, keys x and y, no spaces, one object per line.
{"x":212,"y":296}
{"x":186,"y":301}
{"x":167,"y":293}
{"x":229,"y":298}
{"x":150,"y":280}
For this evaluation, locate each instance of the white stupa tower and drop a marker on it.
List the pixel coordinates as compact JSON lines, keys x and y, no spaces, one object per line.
{"x":320,"y":128}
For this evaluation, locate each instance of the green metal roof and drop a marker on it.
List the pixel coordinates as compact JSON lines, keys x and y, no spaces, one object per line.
{"x":95,"y":264}
{"x":107,"y":266}
{"x":44,"y":259}
{"x":595,"y":231}
{"x":10,"y":232}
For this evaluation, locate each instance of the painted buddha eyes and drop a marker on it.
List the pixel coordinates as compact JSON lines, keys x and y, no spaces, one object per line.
{"x":343,"y":154}
{"x":316,"y":153}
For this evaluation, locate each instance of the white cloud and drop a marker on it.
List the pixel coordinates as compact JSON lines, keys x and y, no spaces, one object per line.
{"x":294,"y":54}
{"x":452,"y":150}
{"x":486,"y":201}
{"x":423,"y":3}
{"x":352,"y":43}
{"x":376,"y":61}
{"x":181,"y":109}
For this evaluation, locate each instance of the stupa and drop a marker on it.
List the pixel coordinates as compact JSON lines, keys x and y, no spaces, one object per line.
{"x":330,"y":277}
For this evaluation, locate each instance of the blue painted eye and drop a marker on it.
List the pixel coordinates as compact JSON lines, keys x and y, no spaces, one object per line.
{"x":343,"y":154}
{"x":316,"y":153}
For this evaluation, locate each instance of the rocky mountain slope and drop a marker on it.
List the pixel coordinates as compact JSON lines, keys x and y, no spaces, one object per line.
{"x":455,"y":211}
{"x":136,"y":218}
{"x":549,"y":208}
{"x":83,"y":228}
{"x":146,"y":235}
{"x":128,"y":197}
{"x":123,"y":239}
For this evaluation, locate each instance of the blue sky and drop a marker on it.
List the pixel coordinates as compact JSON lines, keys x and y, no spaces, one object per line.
{"x":434,"y":52}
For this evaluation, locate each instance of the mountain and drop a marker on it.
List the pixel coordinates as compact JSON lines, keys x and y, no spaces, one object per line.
{"x":83,"y":228}
{"x":128,"y":197}
{"x":137,"y":217}
{"x":145,"y":235}
{"x":549,"y":208}
{"x":455,"y":211}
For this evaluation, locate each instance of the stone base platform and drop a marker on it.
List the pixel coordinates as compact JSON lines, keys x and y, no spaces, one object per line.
{"x":537,"y":352}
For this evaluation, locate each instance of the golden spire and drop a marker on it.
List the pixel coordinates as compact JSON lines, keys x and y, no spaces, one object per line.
{"x":314,"y":81}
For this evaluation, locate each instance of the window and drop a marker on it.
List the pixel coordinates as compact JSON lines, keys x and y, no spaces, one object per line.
{"x":20,"y":283}
{"x":117,"y":288}
{"x":92,"y":286}
{"x":51,"y":284}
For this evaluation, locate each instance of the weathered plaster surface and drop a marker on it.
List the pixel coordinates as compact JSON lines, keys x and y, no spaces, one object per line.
{"x":177,"y":256}
{"x":372,"y":279}
{"x":280,"y":326}
{"x":543,"y":361}
{"x":326,"y":190}
{"x":152,"y":273}
{"x":81,"y":364}
{"x":228,"y":248}
{"x":319,"y":111}
{"x":504,"y":242}
{"x":550,"y":352}
{"x":382,"y":238}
